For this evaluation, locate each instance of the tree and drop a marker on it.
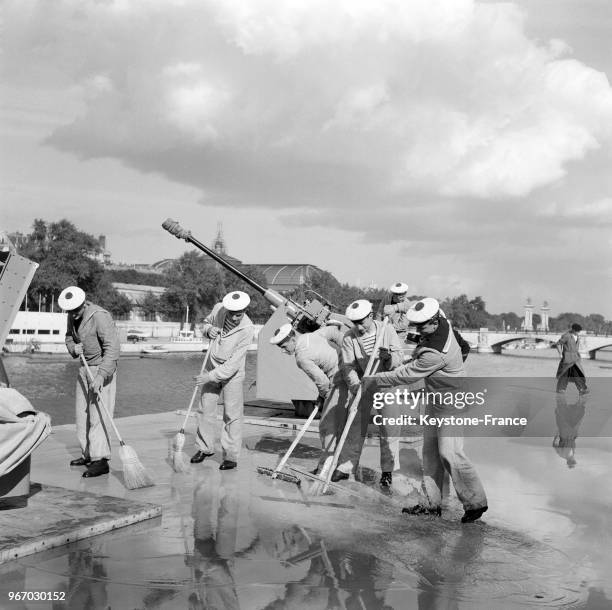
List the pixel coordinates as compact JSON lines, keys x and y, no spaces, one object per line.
{"x":150,"y":306}
{"x":323,"y":286}
{"x":595,"y":323}
{"x":259,"y":309}
{"x":457,"y":310}
{"x":190,"y":284}
{"x":564,"y":320}
{"x":114,"y":302}
{"x":196,"y":282}
{"x":477,"y":313}
{"x":66,"y":257}
{"x":511,"y":321}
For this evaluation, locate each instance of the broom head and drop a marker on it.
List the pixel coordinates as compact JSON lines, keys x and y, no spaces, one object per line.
{"x":283,"y":476}
{"x":134,"y":474}
{"x":319,"y":487}
{"x":178,"y":460}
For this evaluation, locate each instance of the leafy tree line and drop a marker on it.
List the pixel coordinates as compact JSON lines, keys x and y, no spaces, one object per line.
{"x":466,"y":313}
{"x":68,"y":256}
{"x":195,"y":280}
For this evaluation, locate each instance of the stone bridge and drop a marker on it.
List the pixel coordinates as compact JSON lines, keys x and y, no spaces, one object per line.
{"x":491,"y":341}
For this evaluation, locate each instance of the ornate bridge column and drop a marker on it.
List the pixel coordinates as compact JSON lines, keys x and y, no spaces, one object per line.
{"x":582,"y":346}
{"x":545,"y":311}
{"x":528,"y":319}
{"x":483,"y":346}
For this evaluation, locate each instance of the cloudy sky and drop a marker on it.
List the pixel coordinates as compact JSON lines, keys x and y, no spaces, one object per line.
{"x":460,"y":146}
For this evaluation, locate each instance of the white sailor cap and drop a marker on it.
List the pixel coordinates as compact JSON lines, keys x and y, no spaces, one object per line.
{"x":423,"y":310}
{"x":71,"y":298}
{"x":358,"y":310}
{"x":236,"y":301}
{"x":280,"y":334}
{"x":399,"y":288}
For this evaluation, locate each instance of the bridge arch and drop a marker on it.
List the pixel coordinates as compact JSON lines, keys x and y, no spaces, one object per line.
{"x":497,"y":345}
{"x":593,"y":352}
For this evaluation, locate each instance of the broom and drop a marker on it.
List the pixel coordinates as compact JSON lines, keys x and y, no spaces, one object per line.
{"x":134,"y":473}
{"x":178,"y":460}
{"x":331,"y":464}
{"x":275,"y":473}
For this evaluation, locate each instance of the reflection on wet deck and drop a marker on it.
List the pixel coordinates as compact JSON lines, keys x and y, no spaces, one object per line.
{"x":236,"y":539}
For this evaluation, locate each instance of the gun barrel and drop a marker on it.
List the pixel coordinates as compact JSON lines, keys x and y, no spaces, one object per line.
{"x":174,"y":228}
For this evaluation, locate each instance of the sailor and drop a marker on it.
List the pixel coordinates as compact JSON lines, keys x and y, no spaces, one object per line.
{"x":438,"y":361}
{"x":570,"y":367}
{"x":231,"y":332}
{"x":91,"y":332}
{"x":357,"y":347}
{"x":315,"y":356}
{"x":395,"y":304}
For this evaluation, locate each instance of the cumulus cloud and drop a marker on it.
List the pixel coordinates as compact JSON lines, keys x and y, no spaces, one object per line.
{"x":446,"y":97}
{"x":404,"y":120}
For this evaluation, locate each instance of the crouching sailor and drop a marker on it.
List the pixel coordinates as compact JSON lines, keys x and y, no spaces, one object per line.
{"x":91,"y":332}
{"x":319,"y":360}
{"x":438,"y":360}
{"x":357,"y":347}
{"x":231,"y":333}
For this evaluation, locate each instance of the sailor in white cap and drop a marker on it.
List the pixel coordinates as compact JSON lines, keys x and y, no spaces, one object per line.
{"x":231,"y":332}
{"x":357,"y":347}
{"x":91,"y":332}
{"x":438,"y":361}
{"x":395,"y":304}
{"x":315,"y":355}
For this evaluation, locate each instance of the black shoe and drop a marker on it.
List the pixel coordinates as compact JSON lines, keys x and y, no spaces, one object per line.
{"x":473,"y":513}
{"x":200,"y":456}
{"x":80,"y":462}
{"x":338,"y":475}
{"x":386,"y":480}
{"x":95,"y":469}
{"x":418,"y":509}
{"x":315,"y":471}
{"x":228,"y":465}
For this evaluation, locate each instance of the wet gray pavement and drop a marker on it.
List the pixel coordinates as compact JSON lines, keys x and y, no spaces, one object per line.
{"x":237,"y":539}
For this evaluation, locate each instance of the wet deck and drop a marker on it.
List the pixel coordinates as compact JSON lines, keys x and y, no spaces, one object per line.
{"x":236,"y":539}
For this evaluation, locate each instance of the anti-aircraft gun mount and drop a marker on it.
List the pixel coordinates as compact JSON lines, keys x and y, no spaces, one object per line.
{"x":278,"y":377}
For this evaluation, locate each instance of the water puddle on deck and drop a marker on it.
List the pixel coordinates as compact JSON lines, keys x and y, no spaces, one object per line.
{"x":236,"y":539}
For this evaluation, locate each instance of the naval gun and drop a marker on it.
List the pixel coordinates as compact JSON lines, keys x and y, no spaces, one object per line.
{"x":278,"y":377}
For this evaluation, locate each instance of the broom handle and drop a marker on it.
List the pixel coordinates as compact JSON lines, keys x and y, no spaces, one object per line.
{"x":195,"y":390}
{"x":101,"y":402}
{"x":355,"y":402}
{"x":302,"y":431}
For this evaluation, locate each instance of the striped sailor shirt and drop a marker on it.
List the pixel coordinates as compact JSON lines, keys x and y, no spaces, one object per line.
{"x":228,"y":326}
{"x":368,"y":340}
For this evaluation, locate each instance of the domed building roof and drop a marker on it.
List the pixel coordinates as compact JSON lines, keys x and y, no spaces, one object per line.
{"x":287,"y":277}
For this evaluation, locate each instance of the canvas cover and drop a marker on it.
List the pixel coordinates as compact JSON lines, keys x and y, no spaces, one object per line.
{"x":19,"y":436}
